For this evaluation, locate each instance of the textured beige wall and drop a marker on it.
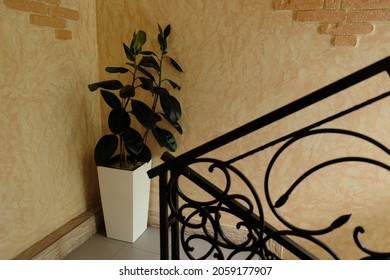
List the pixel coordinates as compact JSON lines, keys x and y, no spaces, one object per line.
{"x":49,"y":125}
{"x":243,"y":59}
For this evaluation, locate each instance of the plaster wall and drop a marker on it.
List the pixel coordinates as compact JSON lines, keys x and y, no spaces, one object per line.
{"x":243,"y":59}
{"x":49,"y":122}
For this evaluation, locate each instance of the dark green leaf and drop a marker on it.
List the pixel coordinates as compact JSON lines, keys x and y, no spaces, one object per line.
{"x":133,"y":140}
{"x":104,"y":149}
{"x":129,"y":53}
{"x":144,"y":114}
{"x":149,"y":61}
{"x":111,"y":99}
{"x":117,"y":70}
{"x":127,"y":91}
{"x":148,"y":53}
{"x":118,"y":120}
{"x":175,"y":64}
{"x":146,"y":83}
{"x":162,"y":42}
{"x":167,"y":31}
{"x":171,"y":107}
{"x":165,"y":138}
{"x":160,"y":29}
{"x":146,"y":73}
{"x":144,"y":156}
{"x":176,"y":125}
{"x":110,"y":84}
{"x":174,"y":85}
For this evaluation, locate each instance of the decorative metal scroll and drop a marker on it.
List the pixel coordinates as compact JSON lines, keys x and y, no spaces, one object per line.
{"x":197,"y":223}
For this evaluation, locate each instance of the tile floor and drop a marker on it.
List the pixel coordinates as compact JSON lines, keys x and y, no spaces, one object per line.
{"x":99,"y":247}
{"x":147,"y":247}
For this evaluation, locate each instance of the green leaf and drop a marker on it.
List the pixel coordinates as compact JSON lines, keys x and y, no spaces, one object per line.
{"x":139,"y":39}
{"x":162,"y":42}
{"x":171,"y":107}
{"x":144,"y":156}
{"x":175,"y":64}
{"x":104,"y":149}
{"x":146,"y":73}
{"x":144,"y":114}
{"x":174,"y":85}
{"x":167,"y":31}
{"x":165,"y":138}
{"x":133,"y":140}
{"x":148,"y":53}
{"x":116,"y":70}
{"x":176,"y":125}
{"x":111,"y":99}
{"x":118,"y":120}
{"x":110,"y":84}
{"x":127,"y":91}
{"x":146,"y":83}
{"x":149,"y":61}
{"x":160,"y":29}
{"x":129,"y":54}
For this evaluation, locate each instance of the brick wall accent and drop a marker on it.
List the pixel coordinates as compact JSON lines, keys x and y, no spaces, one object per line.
{"x":344,"y":20}
{"x":47,"y":13}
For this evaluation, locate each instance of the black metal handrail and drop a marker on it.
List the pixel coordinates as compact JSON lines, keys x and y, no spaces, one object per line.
{"x":174,"y":213}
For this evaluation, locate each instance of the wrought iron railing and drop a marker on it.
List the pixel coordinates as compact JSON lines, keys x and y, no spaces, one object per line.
{"x":197,"y":217}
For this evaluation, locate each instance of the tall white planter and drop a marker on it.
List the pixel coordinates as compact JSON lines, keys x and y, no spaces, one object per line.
{"x":125,"y":201}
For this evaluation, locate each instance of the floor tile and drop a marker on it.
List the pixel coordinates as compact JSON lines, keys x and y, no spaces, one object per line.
{"x":130,"y":253}
{"x":148,"y":241}
{"x":96,"y":248}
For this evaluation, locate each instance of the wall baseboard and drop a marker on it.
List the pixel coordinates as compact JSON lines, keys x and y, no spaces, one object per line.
{"x":58,"y":244}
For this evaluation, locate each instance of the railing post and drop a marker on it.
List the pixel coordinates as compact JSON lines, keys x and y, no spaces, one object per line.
{"x":175,"y":228}
{"x":164,"y":254}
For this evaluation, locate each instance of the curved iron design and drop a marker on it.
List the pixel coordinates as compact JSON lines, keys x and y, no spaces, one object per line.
{"x":197,"y":222}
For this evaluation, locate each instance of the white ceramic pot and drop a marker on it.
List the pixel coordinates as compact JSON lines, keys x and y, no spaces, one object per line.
{"x":125,"y":201}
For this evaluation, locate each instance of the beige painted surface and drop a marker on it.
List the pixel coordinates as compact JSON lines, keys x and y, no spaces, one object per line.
{"x":243,"y":59}
{"x":49,"y":125}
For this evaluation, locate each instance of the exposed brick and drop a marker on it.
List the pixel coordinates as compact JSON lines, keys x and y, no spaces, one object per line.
{"x":345,"y":41}
{"x":366,"y":4}
{"x":321,"y":16}
{"x":64,"y":13}
{"x":26,"y":5}
{"x":299,"y":4}
{"x":346,"y":28}
{"x":63,"y":34}
{"x":332,"y":4}
{"x":47,"y":21}
{"x":54,"y":2}
{"x":372,"y":15}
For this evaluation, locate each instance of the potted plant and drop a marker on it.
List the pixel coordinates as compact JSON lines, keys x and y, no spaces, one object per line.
{"x":137,"y":109}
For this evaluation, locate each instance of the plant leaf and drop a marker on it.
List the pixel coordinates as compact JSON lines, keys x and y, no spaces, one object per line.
{"x":144,"y":156}
{"x":167,"y":31}
{"x":175,"y":64}
{"x":146,"y":73}
{"x":111,"y":99}
{"x":139,"y":39}
{"x":170,"y":106}
{"x":176,"y":125}
{"x":162,"y":41}
{"x":149,"y":53}
{"x":133,"y":140}
{"x":129,"y":54}
{"x":144,"y":114}
{"x":127,"y":91}
{"x":105,"y":148}
{"x":118,"y":120}
{"x":116,"y":70}
{"x":165,"y":138}
{"x":146,"y":83}
{"x":110,"y":84}
{"x":174,"y":85}
{"x":150,"y":61}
